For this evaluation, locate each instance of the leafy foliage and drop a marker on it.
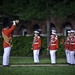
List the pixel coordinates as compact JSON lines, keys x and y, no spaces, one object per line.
{"x":28,"y":9}
{"x":22,"y":47}
{"x":62,"y":10}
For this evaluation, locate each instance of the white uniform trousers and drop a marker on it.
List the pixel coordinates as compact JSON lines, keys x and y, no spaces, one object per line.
{"x":53,"y":56}
{"x":36,"y":56}
{"x":72,"y":57}
{"x":6,"y":55}
{"x":67,"y":53}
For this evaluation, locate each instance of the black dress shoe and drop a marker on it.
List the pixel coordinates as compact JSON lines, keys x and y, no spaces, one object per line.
{"x":69,"y":64}
{"x":53,"y":63}
{"x":72,"y":64}
{"x":6,"y":65}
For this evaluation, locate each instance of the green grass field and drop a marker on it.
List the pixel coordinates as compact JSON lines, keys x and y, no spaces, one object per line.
{"x":35,"y":70}
{"x":52,"y":70}
{"x":29,"y":60}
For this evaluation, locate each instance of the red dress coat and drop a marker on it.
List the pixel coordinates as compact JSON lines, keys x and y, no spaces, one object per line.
{"x":53,"y":44}
{"x":72,"y":44}
{"x":36,"y":43}
{"x":7,"y":32}
{"x":67,"y":43}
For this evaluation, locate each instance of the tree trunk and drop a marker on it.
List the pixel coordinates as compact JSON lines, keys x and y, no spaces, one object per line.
{"x":48,"y":26}
{"x":48,"y":35}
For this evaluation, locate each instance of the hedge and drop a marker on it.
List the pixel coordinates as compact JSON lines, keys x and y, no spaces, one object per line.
{"x":22,"y":46}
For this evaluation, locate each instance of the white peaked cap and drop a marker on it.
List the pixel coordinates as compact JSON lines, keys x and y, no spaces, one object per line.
{"x":53,"y":30}
{"x":36,"y":32}
{"x":53,"y":33}
{"x":72,"y":31}
{"x":69,"y":31}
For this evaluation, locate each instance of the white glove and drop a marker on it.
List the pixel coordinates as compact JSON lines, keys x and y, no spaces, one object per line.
{"x":14,"y":22}
{"x":17,"y":21}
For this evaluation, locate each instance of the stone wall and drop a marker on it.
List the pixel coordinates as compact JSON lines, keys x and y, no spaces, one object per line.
{"x":61,"y":26}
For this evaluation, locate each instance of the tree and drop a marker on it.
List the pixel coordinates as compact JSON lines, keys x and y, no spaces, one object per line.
{"x":40,"y":9}
{"x":28,"y":9}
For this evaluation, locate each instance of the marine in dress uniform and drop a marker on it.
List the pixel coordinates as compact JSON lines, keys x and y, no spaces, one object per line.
{"x":7,"y":43}
{"x":56,"y":37}
{"x":67,"y":51}
{"x":53,"y":46}
{"x":72,"y":47}
{"x":36,"y":46}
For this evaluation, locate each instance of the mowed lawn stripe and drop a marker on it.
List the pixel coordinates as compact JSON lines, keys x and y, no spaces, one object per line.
{"x":38,"y":70}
